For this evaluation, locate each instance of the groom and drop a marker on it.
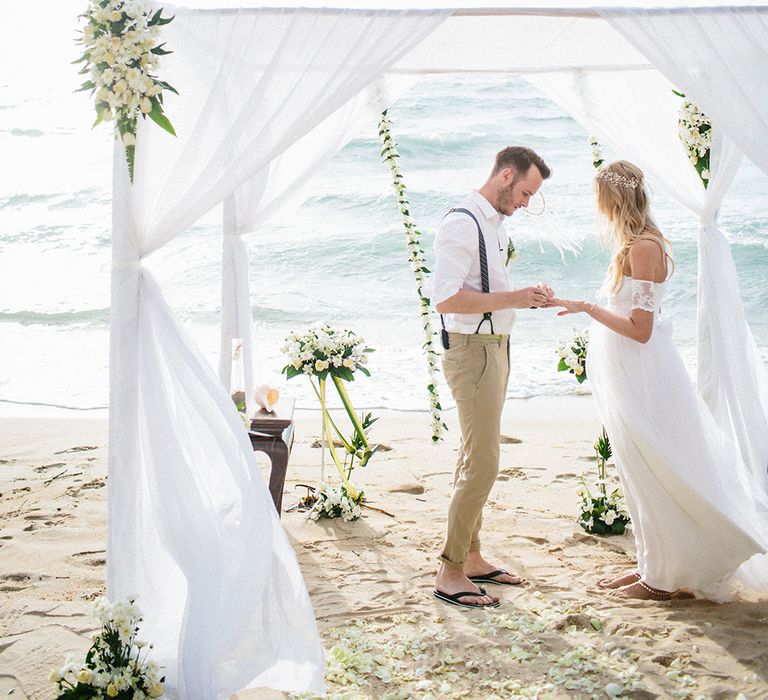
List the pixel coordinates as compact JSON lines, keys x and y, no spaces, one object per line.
{"x":475,"y":297}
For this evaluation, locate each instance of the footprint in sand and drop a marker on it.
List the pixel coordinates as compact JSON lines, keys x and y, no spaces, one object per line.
{"x":77,"y":448}
{"x":564,"y":476}
{"x":506,"y":440}
{"x":91,"y":558}
{"x":530,"y":538}
{"x":93,"y":484}
{"x":47,"y":518}
{"x":511,"y":473}
{"x":10,"y":583}
{"x":45,"y":467}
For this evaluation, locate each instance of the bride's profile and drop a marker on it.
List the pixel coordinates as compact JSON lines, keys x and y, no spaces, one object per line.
{"x":700,"y":524}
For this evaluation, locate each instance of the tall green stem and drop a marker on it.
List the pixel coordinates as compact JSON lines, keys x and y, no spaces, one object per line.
{"x":343,"y":440}
{"x":355,"y":420}
{"x":351,"y":491}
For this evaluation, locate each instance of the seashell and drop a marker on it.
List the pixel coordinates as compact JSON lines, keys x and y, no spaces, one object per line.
{"x":266,"y":397}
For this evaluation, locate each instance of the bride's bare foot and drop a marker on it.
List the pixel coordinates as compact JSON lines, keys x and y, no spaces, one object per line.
{"x":620,"y":582}
{"x":640,"y":591}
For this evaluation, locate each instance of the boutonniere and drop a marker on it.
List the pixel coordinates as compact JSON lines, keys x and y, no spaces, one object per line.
{"x":511,"y":252}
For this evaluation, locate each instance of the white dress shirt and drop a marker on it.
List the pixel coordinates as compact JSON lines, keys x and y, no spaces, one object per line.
{"x":457,"y":263}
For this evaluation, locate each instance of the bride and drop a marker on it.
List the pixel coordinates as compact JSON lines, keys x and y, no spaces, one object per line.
{"x":698,"y":521}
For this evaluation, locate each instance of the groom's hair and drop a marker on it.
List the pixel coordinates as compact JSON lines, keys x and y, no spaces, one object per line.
{"x":520,"y":159}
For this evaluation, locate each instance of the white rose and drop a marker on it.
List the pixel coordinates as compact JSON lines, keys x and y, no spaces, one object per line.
{"x":145,"y":105}
{"x":129,"y":139}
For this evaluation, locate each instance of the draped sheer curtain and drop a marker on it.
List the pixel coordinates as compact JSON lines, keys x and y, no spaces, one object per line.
{"x":191,"y":528}
{"x":635,"y":112}
{"x":721,"y":68}
{"x":275,"y":189}
{"x":720,"y":64}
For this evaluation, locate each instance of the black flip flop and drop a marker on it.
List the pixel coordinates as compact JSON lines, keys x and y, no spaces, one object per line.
{"x":492,"y":576}
{"x":453,"y":599}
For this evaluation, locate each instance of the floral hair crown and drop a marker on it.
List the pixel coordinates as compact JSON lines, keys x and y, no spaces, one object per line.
{"x":618,"y":180}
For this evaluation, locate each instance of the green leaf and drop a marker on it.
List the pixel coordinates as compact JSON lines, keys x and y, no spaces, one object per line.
{"x":87,"y":85}
{"x":155,"y":18}
{"x":167,"y":86}
{"x":130,"y":157}
{"x":291,"y":372}
{"x":679,"y":94}
{"x":99,"y":117}
{"x":160,"y":51}
{"x":364,"y":370}
{"x":561,"y":366}
{"x":157,"y":116}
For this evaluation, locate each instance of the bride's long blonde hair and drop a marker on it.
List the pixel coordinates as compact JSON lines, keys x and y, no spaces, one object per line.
{"x":623,"y":201}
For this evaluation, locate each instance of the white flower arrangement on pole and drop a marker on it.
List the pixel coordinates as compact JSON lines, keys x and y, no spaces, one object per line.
{"x":116,"y":665}
{"x":695,"y":132}
{"x":325,"y":352}
{"x":122,"y":52}
{"x":573,"y":356}
{"x":416,"y":256}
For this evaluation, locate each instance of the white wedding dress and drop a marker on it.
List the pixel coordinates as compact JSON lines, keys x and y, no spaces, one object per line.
{"x":698,"y":521}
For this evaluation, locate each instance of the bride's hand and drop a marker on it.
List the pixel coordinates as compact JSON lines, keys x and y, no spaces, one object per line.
{"x":569,"y":306}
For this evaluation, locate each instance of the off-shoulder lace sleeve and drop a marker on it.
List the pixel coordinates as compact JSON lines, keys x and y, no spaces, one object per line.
{"x":643,"y":295}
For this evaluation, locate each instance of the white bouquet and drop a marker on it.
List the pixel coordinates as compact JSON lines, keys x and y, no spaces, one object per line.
{"x":331,"y":502}
{"x":113,"y":666}
{"x":122,"y":50}
{"x":325,"y":350}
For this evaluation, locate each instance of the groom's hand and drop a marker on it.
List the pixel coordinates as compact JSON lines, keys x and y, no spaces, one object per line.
{"x":550,"y":295}
{"x":532,"y":297}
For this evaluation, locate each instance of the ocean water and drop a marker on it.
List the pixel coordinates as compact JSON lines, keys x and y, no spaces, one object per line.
{"x":339,"y":258}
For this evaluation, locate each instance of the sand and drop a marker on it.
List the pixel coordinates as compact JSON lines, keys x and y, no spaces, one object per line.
{"x":370,"y":581}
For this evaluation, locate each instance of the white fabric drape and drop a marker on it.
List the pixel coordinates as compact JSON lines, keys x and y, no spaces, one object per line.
{"x":191,"y":528}
{"x":721,"y":67}
{"x":276,"y":188}
{"x":719,"y":64}
{"x":636,"y":114}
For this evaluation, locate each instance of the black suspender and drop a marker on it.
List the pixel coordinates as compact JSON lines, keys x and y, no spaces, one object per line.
{"x":483,"y":275}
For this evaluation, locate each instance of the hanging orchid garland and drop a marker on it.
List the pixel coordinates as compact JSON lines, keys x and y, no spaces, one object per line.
{"x":695,"y":132}
{"x":416,"y":256}
{"x":122,"y":51}
{"x":597,"y":156}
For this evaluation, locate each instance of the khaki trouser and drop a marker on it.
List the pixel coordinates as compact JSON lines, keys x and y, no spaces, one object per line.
{"x":477,"y":370}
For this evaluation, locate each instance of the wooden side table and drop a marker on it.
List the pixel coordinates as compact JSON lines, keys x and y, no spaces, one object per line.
{"x":272,"y":433}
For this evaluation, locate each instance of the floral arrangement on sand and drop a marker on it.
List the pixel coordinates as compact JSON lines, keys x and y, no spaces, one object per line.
{"x":116,"y":665}
{"x":320,"y":354}
{"x":602,"y":513}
